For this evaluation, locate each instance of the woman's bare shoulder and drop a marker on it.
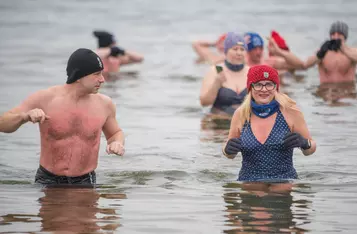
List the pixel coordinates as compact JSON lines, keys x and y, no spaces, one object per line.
{"x":292,"y":115}
{"x":237,"y":118}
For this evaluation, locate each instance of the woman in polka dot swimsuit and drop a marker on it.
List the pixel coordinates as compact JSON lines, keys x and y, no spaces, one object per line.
{"x":265,"y":129}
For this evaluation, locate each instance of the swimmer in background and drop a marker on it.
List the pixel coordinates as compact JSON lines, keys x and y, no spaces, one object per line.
{"x":255,"y":49}
{"x":335,"y":59}
{"x":279,"y":55}
{"x":113,"y":57}
{"x":225,"y":90}
{"x":204,"y":52}
{"x":336,"y":63}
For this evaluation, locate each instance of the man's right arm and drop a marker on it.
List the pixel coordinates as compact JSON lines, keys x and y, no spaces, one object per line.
{"x":311,"y":61}
{"x":291,"y":61}
{"x":10,"y":122}
{"x":204,"y":52}
{"x":302,"y":65}
{"x":14,"y":118}
{"x":318,"y":56}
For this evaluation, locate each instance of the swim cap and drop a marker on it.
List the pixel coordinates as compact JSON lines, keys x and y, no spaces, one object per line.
{"x":339,"y":27}
{"x":279,"y":40}
{"x":82,"y":62}
{"x":233,"y":39}
{"x":253,"y":40}
{"x":262,"y":72}
{"x":105,"y":39}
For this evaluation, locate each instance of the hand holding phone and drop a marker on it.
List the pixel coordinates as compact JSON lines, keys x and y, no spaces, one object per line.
{"x":220,"y":75}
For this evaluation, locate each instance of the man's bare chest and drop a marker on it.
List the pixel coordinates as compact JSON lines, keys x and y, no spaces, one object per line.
{"x":66,"y":122}
{"x":336,"y":63}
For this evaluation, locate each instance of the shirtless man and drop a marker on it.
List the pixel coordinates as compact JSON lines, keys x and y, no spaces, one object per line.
{"x":336,"y":61}
{"x":113,"y":56}
{"x":71,"y":118}
{"x":255,"y":49}
{"x":279,"y":57}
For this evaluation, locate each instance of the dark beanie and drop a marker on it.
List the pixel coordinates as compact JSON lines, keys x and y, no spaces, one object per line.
{"x":339,"y":27}
{"x":82,"y":62}
{"x":105,"y":39}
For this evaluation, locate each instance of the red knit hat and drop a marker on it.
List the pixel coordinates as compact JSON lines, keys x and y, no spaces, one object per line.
{"x":279,"y":40}
{"x":262,"y":72}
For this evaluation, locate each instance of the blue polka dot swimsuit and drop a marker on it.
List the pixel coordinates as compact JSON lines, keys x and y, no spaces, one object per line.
{"x":268,"y":161}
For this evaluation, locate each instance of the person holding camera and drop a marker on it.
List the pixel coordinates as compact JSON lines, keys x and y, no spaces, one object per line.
{"x":336,"y":61}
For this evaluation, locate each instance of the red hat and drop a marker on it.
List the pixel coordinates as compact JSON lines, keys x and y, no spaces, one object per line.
{"x":279,"y":40}
{"x":262,"y":72}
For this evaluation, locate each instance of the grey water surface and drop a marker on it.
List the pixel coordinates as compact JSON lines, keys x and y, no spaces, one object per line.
{"x":173,"y":177}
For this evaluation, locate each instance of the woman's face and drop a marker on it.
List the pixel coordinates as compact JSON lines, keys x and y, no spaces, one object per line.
{"x":263,"y":92}
{"x":235,"y":55}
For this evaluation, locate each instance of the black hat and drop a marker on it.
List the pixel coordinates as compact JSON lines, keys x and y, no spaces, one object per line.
{"x":82,"y":62}
{"x":105,"y":39}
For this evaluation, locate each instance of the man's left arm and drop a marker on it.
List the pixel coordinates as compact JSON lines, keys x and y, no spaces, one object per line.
{"x":113,"y":133}
{"x":289,"y":62}
{"x":350,"y":52}
{"x":131,"y":57}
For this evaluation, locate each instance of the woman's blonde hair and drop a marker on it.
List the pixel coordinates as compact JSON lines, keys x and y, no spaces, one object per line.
{"x":245,"y":109}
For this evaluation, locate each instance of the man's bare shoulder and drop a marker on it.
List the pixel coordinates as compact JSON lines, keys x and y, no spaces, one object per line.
{"x":46,"y":93}
{"x":106,"y":102}
{"x":104,"y":99}
{"x":53,"y":90}
{"x":102,"y":52}
{"x":38,"y":99}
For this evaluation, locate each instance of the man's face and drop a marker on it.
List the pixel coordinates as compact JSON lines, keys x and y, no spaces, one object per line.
{"x":256,"y":54}
{"x":92,"y":82}
{"x":337,"y":35}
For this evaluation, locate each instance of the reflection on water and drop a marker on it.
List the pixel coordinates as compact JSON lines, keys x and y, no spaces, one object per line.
{"x":288,"y":79}
{"x":72,"y":209}
{"x":17,"y":218}
{"x":76,"y":210}
{"x":259,"y":211}
{"x":214,"y":128}
{"x":334,"y":93}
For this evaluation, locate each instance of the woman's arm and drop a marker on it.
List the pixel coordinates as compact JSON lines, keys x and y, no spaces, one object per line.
{"x":210,"y":86}
{"x":234,"y":131}
{"x":300,"y":126}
